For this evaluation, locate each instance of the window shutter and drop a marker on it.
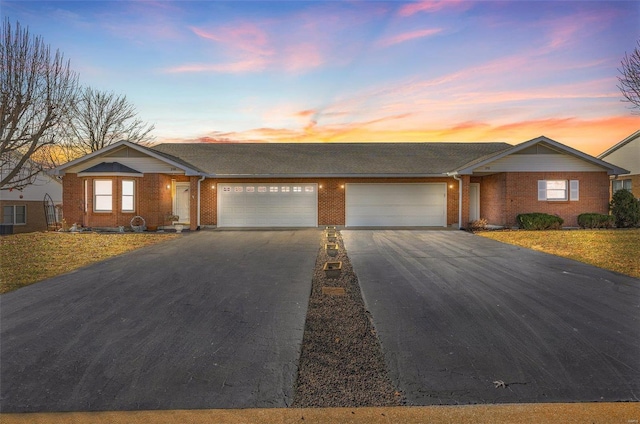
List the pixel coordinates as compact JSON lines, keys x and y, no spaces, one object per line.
{"x":574,"y":190}
{"x":542,"y":190}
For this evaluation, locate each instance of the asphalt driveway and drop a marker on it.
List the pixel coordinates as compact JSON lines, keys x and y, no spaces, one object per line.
{"x":463,"y":319}
{"x":211,"y":320}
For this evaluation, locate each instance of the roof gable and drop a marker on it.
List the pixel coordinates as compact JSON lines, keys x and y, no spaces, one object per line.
{"x":633,"y":137}
{"x":540,"y":146}
{"x":127,"y":149}
{"x":110,"y":168}
{"x":625,"y":154}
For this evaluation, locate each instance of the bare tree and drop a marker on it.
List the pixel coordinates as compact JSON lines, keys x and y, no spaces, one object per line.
{"x":37,"y":91}
{"x":100,"y":119}
{"x":630,"y":77}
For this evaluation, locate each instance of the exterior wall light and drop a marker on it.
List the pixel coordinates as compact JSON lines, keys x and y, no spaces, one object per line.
{"x":168,"y":186}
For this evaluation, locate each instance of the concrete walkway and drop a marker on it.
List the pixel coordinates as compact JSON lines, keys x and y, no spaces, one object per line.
{"x":463,"y":319}
{"x":211,"y":320}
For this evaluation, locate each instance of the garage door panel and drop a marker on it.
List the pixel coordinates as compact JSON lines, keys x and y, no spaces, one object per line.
{"x":396,"y":205}
{"x":267,"y":205}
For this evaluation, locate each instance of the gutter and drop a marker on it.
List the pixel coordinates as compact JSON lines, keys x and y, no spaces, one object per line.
{"x":316,"y":176}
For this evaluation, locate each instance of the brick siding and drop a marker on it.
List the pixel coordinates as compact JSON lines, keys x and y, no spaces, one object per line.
{"x":504,"y":196}
{"x":331,"y":195}
{"x":635,"y":184}
{"x":153,"y":200}
{"x":35,"y":217}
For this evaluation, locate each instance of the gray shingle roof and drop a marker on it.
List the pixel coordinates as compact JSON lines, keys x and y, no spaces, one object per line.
{"x":111,"y":167}
{"x":329,"y":158}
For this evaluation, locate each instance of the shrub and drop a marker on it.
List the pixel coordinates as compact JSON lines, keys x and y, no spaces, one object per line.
{"x":595,"y":220}
{"x":625,"y":208}
{"x":539,"y":221}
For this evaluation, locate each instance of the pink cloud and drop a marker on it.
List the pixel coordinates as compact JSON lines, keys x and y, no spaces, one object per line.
{"x":246,"y":37}
{"x":406,"y":36}
{"x":301,"y":57}
{"x":243,"y":66}
{"x":305,"y":113}
{"x":428,"y":6}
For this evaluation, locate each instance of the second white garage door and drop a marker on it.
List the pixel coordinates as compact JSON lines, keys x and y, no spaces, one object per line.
{"x":396,"y":205}
{"x":267,"y":205}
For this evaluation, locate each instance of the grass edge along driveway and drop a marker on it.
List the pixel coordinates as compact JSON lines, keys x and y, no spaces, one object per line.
{"x":616,"y":250}
{"x":31,"y":257}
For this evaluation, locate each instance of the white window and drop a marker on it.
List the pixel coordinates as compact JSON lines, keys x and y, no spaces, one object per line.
{"x":308,"y":189}
{"x":102,"y":195}
{"x":621,"y":184}
{"x":558,"y":190}
{"x":128,"y":196}
{"x":297,"y":189}
{"x":238,"y":189}
{"x":16,"y":215}
{"x":273,"y":189}
{"x":250,"y":189}
{"x":285,"y":189}
{"x":262,"y":189}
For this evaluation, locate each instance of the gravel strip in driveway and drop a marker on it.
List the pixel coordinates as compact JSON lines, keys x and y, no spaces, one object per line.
{"x":211,"y":320}
{"x":341,"y":363}
{"x":463,"y":320}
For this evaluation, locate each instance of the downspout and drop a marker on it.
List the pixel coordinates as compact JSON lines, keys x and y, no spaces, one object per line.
{"x":459,"y":180}
{"x":198,"y":220}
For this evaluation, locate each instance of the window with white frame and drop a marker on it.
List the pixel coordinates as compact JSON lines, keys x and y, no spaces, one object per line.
{"x":557,"y":190}
{"x":102,"y":195}
{"x":16,"y":215}
{"x":128,"y":195}
{"x":621,"y":184}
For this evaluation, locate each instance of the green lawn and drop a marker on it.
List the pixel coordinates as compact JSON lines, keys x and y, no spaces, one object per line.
{"x":616,"y":250}
{"x":32,"y":257}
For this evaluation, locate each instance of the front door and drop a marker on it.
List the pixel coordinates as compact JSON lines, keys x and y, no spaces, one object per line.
{"x":474,"y":202}
{"x":182,"y":202}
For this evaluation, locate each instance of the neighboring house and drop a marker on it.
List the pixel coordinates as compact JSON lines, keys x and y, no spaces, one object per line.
{"x":625,"y":154}
{"x":24,"y":209}
{"x":343,"y":184}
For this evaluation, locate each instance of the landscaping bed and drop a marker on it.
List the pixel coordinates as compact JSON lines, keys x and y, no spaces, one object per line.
{"x":341,"y":361}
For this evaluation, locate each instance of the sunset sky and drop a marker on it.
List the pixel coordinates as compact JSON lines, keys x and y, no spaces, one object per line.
{"x":347,"y":71}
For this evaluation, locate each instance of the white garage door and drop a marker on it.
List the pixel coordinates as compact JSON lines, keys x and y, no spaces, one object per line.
{"x":396,"y":205}
{"x":267,"y":205}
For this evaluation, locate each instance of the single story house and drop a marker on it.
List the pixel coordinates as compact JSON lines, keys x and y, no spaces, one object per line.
{"x":625,"y":154}
{"x":23,"y":210}
{"x":342,"y":184}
